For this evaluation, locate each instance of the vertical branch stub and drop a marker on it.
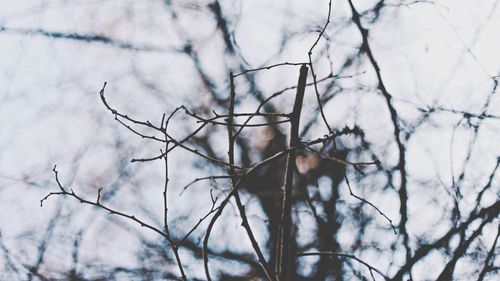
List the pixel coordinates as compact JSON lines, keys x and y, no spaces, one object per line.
{"x":284,"y":258}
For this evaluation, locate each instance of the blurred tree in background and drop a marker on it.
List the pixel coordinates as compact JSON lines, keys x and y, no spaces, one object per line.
{"x":393,"y":171}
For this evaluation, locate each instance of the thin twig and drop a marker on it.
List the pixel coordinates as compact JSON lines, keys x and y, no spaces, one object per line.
{"x":124,"y":116}
{"x":231,"y":171}
{"x":355,"y":165}
{"x":267,"y":67}
{"x":211,"y":178}
{"x":369,"y":203}
{"x":211,"y":211}
{"x":96,"y":203}
{"x":309,"y":54}
{"x":185,"y":139}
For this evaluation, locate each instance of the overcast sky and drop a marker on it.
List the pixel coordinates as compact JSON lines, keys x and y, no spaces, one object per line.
{"x":440,"y":54}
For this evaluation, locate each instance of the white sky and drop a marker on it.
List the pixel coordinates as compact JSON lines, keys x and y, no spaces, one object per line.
{"x":442,"y":54}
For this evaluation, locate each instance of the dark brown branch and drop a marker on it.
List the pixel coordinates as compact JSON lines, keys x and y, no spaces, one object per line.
{"x":98,"y":204}
{"x":196,"y":152}
{"x":211,"y":178}
{"x":231,"y":171}
{"x":267,"y":67}
{"x":248,"y":125}
{"x":185,"y":139}
{"x":211,"y":120}
{"x":284,"y":266}
{"x":126,"y":117}
{"x":137,"y":132}
{"x":173,"y":245}
{"x":346,"y":131}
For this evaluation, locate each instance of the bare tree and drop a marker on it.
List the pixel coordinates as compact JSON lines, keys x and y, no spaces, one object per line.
{"x":283,"y":189}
